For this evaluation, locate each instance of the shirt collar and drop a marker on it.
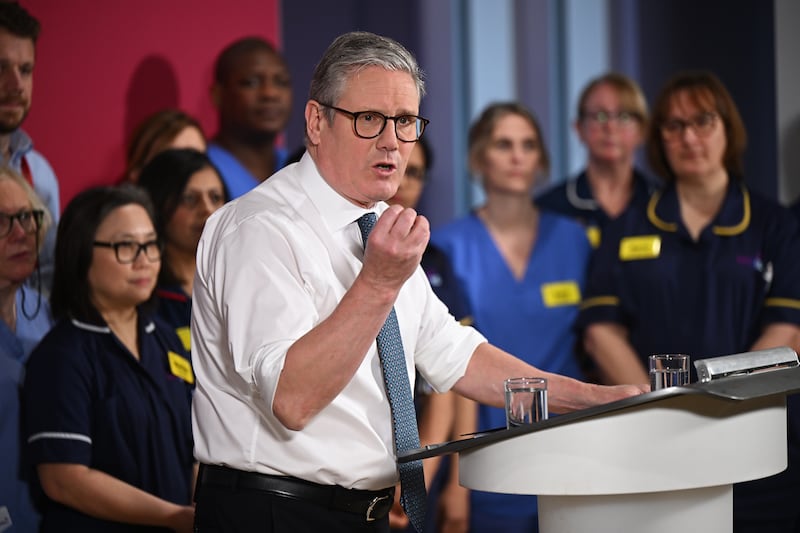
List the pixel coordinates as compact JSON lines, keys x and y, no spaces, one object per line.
{"x":579,"y":193}
{"x":20,"y":144}
{"x":336,"y":210}
{"x":663,"y":211}
{"x":94,"y":328}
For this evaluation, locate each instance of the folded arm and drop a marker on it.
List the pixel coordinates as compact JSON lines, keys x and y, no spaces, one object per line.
{"x":102,"y":496}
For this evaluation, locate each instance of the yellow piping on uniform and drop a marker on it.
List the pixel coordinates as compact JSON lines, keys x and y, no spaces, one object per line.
{"x":599,"y":300}
{"x":728,"y":231}
{"x":651,"y":215}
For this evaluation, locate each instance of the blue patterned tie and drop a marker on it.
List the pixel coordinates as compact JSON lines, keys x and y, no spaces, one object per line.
{"x":398,"y":389}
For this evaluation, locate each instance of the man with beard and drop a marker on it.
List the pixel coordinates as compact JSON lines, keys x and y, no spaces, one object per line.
{"x":18,"y":34}
{"x":253,"y":96}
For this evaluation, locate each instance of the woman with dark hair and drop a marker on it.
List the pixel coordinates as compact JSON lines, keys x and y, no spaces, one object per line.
{"x":706,"y":268}
{"x":185,"y":188}
{"x":108,"y":390}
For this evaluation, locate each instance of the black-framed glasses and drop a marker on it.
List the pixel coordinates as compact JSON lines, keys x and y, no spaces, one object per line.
{"x":29,"y":220}
{"x":128,"y":251}
{"x":702,"y":125}
{"x":370,"y":124}
{"x":600,"y":118}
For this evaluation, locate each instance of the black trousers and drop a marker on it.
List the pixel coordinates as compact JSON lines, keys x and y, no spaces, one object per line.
{"x":235,"y":510}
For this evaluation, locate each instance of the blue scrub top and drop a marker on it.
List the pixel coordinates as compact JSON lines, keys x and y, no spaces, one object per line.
{"x":531,"y":318}
{"x":706,"y":298}
{"x":89,"y":401}
{"x":237,"y":178}
{"x":18,"y":513}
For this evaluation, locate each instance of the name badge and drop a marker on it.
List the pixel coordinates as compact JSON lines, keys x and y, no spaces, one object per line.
{"x":185,"y":336}
{"x":593,"y":234}
{"x":180,"y":367}
{"x":640,"y":247}
{"x":561,"y":293}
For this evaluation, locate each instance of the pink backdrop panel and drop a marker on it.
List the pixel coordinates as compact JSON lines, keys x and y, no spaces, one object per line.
{"x":102,"y":66}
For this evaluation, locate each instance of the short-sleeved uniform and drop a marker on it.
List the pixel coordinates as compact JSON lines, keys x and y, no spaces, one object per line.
{"x":175,"y":308}
{"x":531,"y":318}
{"x":237,"y":178}
{"x":573,"y":198}
{"x":706,"y":298}
{"x":89,"y":401}
{"x":18,"y":513}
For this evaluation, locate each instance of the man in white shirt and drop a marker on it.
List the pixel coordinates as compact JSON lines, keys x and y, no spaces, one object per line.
{"x":292,"y":422}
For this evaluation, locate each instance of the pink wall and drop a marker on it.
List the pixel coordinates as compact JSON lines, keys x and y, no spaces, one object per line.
{"x":102,"y":66}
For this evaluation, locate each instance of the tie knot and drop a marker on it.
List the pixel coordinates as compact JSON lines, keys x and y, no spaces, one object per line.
{"x":365,"y":224}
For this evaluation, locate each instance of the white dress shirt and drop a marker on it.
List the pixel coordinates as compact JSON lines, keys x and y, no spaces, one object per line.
{"x":271,"y":266}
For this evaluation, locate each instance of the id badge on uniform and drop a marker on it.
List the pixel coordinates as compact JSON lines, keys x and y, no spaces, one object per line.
{"x":640,"y":247}
{"x":560,"y":293}
{"x":180,"y":367}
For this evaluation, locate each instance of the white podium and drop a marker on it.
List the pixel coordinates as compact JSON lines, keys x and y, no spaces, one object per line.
{"x":662,"y":462}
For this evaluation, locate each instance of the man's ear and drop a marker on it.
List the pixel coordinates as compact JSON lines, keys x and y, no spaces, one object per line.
{"x":315,"y":122}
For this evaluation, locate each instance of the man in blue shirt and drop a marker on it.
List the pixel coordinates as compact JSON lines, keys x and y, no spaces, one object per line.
{"x":253,"y":95}
{"x":18,"y":34}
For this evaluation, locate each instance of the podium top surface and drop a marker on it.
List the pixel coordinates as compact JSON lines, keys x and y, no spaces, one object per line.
{"x":733,"y":388}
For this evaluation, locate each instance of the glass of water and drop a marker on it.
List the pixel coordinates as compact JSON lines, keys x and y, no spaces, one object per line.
{"x":526,"y":401}
{"x":668,"y":370}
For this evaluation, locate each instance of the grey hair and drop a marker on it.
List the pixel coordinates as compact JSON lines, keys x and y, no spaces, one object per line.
{"x":7,"y":173}
{"x":355,"y":51}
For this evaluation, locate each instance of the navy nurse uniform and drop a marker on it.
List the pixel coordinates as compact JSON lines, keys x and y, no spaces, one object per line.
{"x":574,"y":199}
{"x":706,"y":298}
{"x":90,"y":402}
{"x":175,"y":308}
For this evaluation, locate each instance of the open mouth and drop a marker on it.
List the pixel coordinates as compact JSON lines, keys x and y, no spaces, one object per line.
{"x":385,"y":167}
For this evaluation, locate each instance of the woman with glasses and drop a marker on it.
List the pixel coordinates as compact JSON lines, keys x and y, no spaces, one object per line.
{"x":707,"y":268}
{"x":611,"y":123}
{"x":108,"y":390}
{"x":185,"y":188}
{"x":522,"y":271}
{"x":24,"y":320}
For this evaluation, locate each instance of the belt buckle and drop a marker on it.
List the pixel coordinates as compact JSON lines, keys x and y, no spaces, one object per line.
{"x":375,"y":501}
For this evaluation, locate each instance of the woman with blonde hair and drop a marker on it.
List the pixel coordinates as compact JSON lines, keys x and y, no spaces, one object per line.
{"x":24,"y":320}
{"x":611,"y":123}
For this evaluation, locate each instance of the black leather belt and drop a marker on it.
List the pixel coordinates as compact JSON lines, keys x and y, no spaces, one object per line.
{"x":372,"y":504}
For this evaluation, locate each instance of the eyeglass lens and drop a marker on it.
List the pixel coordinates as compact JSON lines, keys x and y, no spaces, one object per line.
{"x":702,"y":125}
{"x":128,"y":252}
{"x":604,"y":117}
{"x":29,"y":221}
{"x":371,"y":124}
